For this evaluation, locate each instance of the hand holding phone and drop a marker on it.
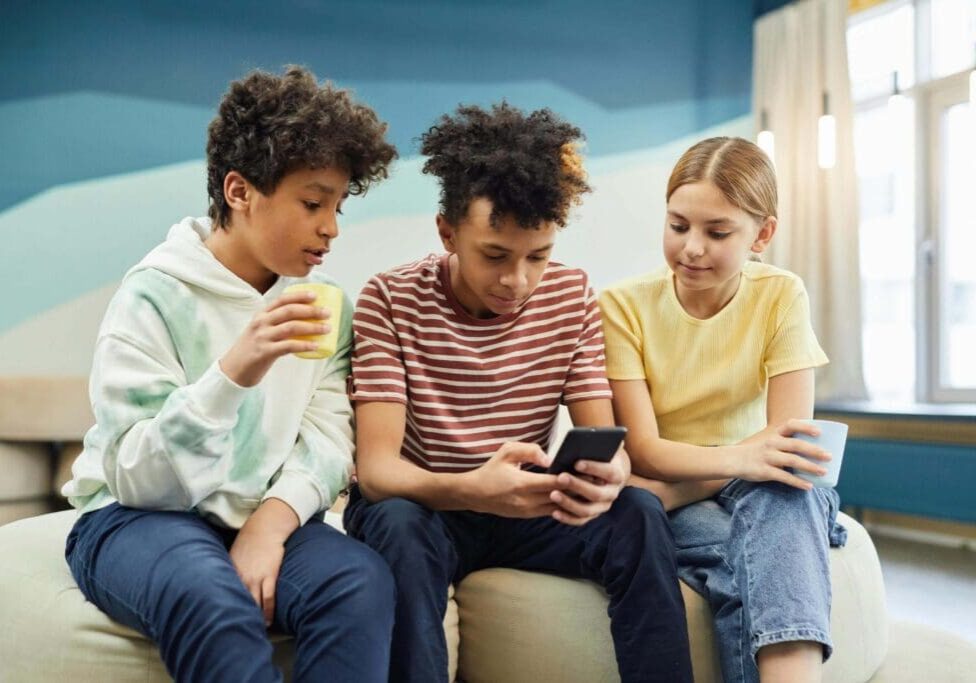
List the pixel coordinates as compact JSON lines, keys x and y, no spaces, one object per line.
{"x":587,"y":443}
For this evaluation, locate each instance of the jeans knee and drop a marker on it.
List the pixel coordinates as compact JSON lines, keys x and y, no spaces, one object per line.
{"x":639,"y":519}
{"x":395,"y":523}
{"x":640,"y":505}
{"x":374,"y":580}
{"x":784,"y":502}
{"x":210,"y":591}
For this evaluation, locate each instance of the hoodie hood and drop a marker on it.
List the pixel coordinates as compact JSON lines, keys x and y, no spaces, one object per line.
{"x":185,"y":257}
{"x":173,"y":431}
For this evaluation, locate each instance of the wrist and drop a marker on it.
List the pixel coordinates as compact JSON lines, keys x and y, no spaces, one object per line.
{"x":274,"y":519}
{"x":232,"y":370}
{"x":462,"y":490}
{"x":731,"y":459}
{"x":235,"y":365}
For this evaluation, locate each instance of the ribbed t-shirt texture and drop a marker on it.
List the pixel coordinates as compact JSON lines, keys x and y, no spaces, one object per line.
{"x":708,"y":378}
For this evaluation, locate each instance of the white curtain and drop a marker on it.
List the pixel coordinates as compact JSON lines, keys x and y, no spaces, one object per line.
{"x":800,"y":53}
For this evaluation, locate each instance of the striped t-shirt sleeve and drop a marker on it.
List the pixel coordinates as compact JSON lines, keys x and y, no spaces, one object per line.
{"x":587,"y":377}
{"x":378,"y":372}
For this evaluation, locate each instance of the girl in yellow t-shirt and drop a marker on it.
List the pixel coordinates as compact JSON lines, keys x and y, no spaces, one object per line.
{"x":711,"y":363}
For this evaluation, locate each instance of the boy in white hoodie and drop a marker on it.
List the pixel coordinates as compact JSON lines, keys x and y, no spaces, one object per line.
{"x":201,"y":487}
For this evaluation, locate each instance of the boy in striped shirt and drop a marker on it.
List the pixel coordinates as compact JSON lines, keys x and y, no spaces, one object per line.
{"x":461,"y":361}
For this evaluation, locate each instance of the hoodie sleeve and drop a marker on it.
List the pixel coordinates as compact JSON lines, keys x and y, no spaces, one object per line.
{"x":318,"y":467}
{"x":165,"y":443}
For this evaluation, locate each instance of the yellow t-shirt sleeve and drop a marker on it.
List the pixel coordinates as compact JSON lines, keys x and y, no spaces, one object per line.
{"x":622,"y":337}
{"x":794,"y":344}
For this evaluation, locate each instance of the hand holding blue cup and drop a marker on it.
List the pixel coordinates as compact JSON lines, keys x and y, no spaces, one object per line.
{"x":833,"y":437}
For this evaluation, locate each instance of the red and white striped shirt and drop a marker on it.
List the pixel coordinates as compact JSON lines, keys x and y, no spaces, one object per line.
{"x":471,"y":384}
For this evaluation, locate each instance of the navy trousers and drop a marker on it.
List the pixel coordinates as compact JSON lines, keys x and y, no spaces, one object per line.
{"x":628,"y":550}
{"x":169,"y":576}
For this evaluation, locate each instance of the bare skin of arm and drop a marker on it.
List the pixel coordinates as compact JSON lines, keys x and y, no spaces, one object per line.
{"x":499,"y":487}
{"x":259,"y":549}
{"x":701,"y":471}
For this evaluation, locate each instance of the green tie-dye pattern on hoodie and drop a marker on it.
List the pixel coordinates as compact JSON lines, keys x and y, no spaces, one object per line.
{"x":191,"y":339}
{"x":250,"y":442}
{"x":198,"y":441}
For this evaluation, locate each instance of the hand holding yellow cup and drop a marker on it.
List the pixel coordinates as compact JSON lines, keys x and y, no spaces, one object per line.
{"x":328,"y":297}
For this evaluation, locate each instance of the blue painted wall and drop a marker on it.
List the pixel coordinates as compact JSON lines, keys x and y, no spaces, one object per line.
{"x":633,"y":73}
{"x":104,"y":106}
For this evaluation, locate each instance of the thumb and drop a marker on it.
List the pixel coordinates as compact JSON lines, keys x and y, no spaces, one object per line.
{"x":525,"y":453}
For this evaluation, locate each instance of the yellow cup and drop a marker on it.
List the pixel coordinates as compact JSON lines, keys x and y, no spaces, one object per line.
{"x":328,"y":297}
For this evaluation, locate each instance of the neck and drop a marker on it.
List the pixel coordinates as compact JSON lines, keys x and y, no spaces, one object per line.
{"x":704,"y":304}
{"x":232,"y":254}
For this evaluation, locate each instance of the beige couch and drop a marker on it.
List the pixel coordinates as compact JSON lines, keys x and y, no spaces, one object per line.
{"x":502,"y":625}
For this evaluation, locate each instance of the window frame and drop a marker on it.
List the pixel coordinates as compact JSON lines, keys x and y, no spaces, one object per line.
{"x":929,"y":97}
{"x":937,"y":97}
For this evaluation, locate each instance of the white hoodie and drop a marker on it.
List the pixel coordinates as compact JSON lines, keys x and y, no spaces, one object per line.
{"x":173,"y":432}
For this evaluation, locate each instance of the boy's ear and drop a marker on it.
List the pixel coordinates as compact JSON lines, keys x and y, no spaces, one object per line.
{"x":447,"y":233}
{"x":237,"y":191}
{"x":766,"y":232}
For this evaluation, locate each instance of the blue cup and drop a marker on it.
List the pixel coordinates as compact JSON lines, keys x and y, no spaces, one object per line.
{"x":833,"y":437}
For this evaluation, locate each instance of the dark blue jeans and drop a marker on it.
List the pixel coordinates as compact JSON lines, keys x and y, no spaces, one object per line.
{"x":628,"y":550}
{"x":169,"y":576}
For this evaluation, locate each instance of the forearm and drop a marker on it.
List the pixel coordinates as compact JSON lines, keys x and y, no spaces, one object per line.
{"x":672,"y":461}
{"x":398,"y":478}
{"x":674,"y":495}
{"x":680,"y":462}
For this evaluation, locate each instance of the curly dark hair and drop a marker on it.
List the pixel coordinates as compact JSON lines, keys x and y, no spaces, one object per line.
{"x":269,"y":125}
{"x":527,"y":165}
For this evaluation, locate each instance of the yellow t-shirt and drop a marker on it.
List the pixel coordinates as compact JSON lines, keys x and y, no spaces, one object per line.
{"x":708,"y":378}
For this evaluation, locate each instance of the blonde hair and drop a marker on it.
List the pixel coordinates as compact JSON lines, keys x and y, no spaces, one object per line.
{"x":573,"y":173}
{"x":739,"y":169}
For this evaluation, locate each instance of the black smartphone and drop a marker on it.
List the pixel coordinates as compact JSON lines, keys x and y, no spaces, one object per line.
{"x":587,"y":443}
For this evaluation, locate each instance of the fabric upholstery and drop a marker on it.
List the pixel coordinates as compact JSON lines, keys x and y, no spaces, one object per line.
{"x":509,"y":626}
{"x":555,"y":628}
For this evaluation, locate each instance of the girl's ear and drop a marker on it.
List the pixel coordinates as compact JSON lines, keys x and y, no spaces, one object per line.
{"x":766,"y":232}
{"x":236,"y":191}
{"x":447,"y":233}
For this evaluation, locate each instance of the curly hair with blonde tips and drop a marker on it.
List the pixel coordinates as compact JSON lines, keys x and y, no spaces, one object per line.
{"x":527,"y":165}
{"x":268,"y":126}
{"x":573,"y":172}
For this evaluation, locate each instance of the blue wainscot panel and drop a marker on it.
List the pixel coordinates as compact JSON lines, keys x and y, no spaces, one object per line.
{"x":935,"y":480}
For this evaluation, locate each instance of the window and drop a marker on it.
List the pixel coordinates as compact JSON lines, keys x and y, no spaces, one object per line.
{"x":915,"y":149}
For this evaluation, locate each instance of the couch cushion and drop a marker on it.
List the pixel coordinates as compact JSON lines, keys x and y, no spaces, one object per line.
{"x":49,"y":632}
{"x":555,"y":628}
{"x":922,"y":653}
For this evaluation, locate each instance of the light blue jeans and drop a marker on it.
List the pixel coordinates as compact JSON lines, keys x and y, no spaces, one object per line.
{"x":757,"y":552}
